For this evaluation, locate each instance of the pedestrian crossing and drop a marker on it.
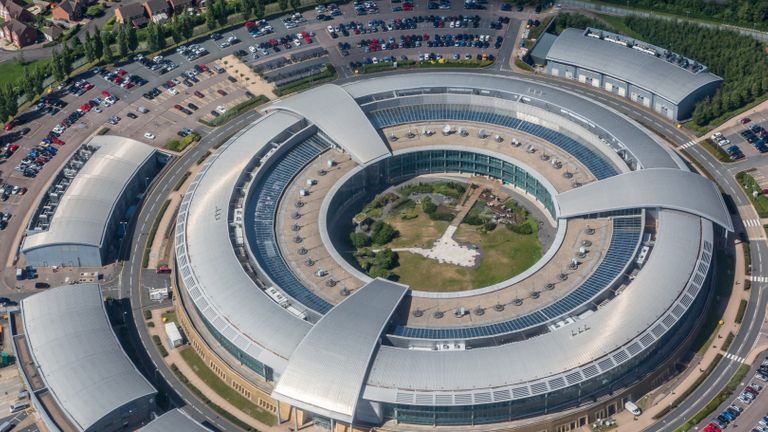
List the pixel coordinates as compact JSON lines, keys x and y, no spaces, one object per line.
{"x":752,"y":222}
{"x":734,"y":357}
{"x":687,"y":145}
{"x":759,"y":278}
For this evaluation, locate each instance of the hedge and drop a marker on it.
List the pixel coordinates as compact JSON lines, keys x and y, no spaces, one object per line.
{"x":180,"y":145}
{"x":159,"y":345}
{"x":236,"y":111}
{"x":741,"y":311}
{"x":181,"y":181}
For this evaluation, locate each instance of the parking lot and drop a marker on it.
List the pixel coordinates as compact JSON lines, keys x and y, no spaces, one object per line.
{"x":749,"y":138}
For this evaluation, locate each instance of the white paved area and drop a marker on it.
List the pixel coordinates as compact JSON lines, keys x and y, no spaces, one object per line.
{"x":446,"y":250}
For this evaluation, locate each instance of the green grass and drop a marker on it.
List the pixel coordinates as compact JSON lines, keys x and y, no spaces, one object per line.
{"x":523,"y":65}
{"x":170,"y":317}
{"x":760,"y":202}
{"x":714,"y":403}
{"x":504,"y":254}
{"x":414,"y":64}
{"x":618,"y":24}
{"x":11,"y":70}
{"x":225,"y":391}
{"x":536,"y":32}
{"x":747,"y":257}
{"x":226,"y":414}
{"x":715,"y":150}
{"x":180,"y":145}
{"x":728,"y":341}
{"x":684,"y":395}
{"x":236,"y":111}
{"x":741,"y":311}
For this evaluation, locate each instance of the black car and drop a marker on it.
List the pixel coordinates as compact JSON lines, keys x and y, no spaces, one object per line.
{"x":192,"y":106}
{"x":215,"y":113}
{"x":132,"y":115}
{"x":42,"y":285}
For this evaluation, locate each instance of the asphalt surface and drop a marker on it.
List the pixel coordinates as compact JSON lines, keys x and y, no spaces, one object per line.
{"x":131,"y":283}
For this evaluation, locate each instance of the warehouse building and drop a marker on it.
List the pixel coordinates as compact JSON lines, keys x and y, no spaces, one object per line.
{"x":79,"y":221}
{"x":78,"y":375}
{"x":653,"y":77}
{"x":174,"y":420}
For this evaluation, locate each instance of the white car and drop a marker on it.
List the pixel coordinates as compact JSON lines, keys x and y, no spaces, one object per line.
{"x":297,"y":42}
{"x":173,"y":91}
{"x":252,"y":49}
{"x":97,"y":109}
{"x":221,"y":109}
{"x":149,"y":135}
{"x":110,"y":100}
{"x":330,"y":29}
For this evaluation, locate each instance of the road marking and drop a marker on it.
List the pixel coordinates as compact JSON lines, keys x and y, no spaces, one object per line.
{"x":735,"y":358}
{"x":687,"y":145}
{"x":758,"y":278}
{"x":752,"y":222}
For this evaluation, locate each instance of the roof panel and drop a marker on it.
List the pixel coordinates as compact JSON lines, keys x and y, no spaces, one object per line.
{"x":327,"y":371}
{"x":174,"y":420}
{"x":77,"y":355}
{"x":651,"y":73}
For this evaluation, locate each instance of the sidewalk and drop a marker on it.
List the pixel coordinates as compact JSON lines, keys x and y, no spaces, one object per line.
{"x":174,"y":357}
{"x":663,"y":397}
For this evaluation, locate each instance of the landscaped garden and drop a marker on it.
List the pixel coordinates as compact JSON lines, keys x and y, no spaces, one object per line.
{"x":411,"y":234}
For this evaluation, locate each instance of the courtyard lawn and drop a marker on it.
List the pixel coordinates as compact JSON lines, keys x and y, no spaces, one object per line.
{"x":504,"y":255}
{"x":420,"y":231}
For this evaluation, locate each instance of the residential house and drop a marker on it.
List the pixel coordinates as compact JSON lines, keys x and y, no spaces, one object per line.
{"x":11,"y":10}
{"x":52,"y":32}
{"x":132,"y":13}
{"x":157,"y":10}
{"x":18,"y":33}
{"x":68,"y":10}
{"x":180,"y":5}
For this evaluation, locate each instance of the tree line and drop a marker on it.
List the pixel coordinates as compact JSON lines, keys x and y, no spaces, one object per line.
{"x":745,"y":13}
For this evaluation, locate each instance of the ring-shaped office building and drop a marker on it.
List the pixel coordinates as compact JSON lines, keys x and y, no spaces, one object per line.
{"x":262,"y":217}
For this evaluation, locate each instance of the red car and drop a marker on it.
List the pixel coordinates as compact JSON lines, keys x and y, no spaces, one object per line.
{"x":178,"y":107}
{"x":198,"y":94}
{"x":204,"y":67}
{"x":221,"y":92}
{"x":745,"y":120}
{"x":249,"y":24}
{"x":121,"y":72}
{"x":57,"y":141}
{"x":170,"y":84}
{"x":85,"y":107}
{"x":9,"y":126}
{"x":12,"y":148}
{"x":711,"y":428}
{"x":163,"y":269}
{"x":105,"y":93}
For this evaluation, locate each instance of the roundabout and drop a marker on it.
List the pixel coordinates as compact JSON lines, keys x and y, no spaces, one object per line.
{"x":268,"y":274}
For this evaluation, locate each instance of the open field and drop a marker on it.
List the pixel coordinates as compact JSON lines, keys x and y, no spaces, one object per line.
{"x":417,"y":232}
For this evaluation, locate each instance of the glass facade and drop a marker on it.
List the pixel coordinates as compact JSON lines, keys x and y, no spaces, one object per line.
{"x":622,"y":376}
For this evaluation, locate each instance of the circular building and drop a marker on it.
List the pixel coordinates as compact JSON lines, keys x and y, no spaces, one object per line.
{"x":269,"y":282}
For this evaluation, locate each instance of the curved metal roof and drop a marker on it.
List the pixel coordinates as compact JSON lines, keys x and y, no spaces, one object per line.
{"x":174,"y":420}
{"x":77,"y":355}
{"x":216,"y":281}
{"x":327,"y":371}
{"x":651,"y":73}
{"x":398,"y":374}
{"x":646,"y":148}
{"x":332,"y":110}
{"x":87,"y":205}
{"x":649,"y":188}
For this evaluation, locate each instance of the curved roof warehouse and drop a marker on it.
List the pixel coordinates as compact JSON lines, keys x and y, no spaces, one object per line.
{"x":359,"y":359}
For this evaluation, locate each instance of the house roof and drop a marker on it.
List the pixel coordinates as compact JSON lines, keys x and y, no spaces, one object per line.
{"x":52,"y":31}
{"x":15,"y":10}
{"x":131,"y":11}
{"x":177,"y":3}
{"x":154,"y":6}
{"x":18,"y":27}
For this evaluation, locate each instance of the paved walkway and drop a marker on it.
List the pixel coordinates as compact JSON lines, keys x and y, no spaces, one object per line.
{"x":663,"y":397}
{"x":174,"y":357}
{"x":253,"y":82}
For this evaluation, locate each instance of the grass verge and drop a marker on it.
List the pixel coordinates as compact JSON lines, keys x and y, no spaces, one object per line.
{"x":618,"y":24}
{"x":222,"y":389}
{"x":741,"y":311}
{"x":328,"y":74}
{"x":181,"y":181}
{"x":755,"y":194}
{"x":747,"y":257}
{"x":159,"y":344}
{"x":226,"y":414}
{"x":152,"y":233}
{"x":523,"y":65}
{"x":728,"y":341}
{"x":180,"y":145}
{"x":714,"y":403}
{"x":675,"y":403}
{"x":716,"y":151}
{"x":413,"y":64}
{"x":236,"y":111}
{"x":203,"y":157}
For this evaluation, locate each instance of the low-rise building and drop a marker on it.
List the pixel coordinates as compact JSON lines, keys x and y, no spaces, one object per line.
{"x":9,"y":9}
{"x":132,"y":13}
{"x":179,"y":5}
{"x":18,"y":33}
{"x":68,"y":10}
{"x":157,"y":10}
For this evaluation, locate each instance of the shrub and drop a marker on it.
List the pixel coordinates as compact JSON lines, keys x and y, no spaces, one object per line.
{"x":94,"y":11}
{"x":523,"y":228}
{"x":148,"y":314}
{"x":382,"y":233}
{"x":490,"y":226}
{"x":473,"y":219}
{"x":359,"y":240}
{"x":428,"y":206}
{"x":441,"y":216}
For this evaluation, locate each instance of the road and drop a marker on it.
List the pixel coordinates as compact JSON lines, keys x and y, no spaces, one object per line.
{"x":130,"y":278}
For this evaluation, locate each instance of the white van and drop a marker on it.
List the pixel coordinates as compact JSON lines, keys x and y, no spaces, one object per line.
{"x":6,"y":426}
{"x":631,"y":407}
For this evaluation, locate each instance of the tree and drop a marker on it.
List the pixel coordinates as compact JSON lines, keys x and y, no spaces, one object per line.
{"x":27,"y":85}
{"x":187,"y":26}
{"x":88,"y":47}
{"x":9,"y":101}
{"x":428,"y":206}
{"x":359,"y":240}
{"x":295,"y":4}
{"x":122,"y":43}
{"x":282,"y":4}
{"x":106,"y":53}
{"x":57,"y":66}
{"x":160,"y":35}
{"x":258,"y":9}
{"x":221,"y":12}
{"x":210,"y":17}
{"x":94,"y":11}
{"x":382,"y":233}
{"x":175,"y":30}
{"x":98,"y":44}
{"x":133,"y":38}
